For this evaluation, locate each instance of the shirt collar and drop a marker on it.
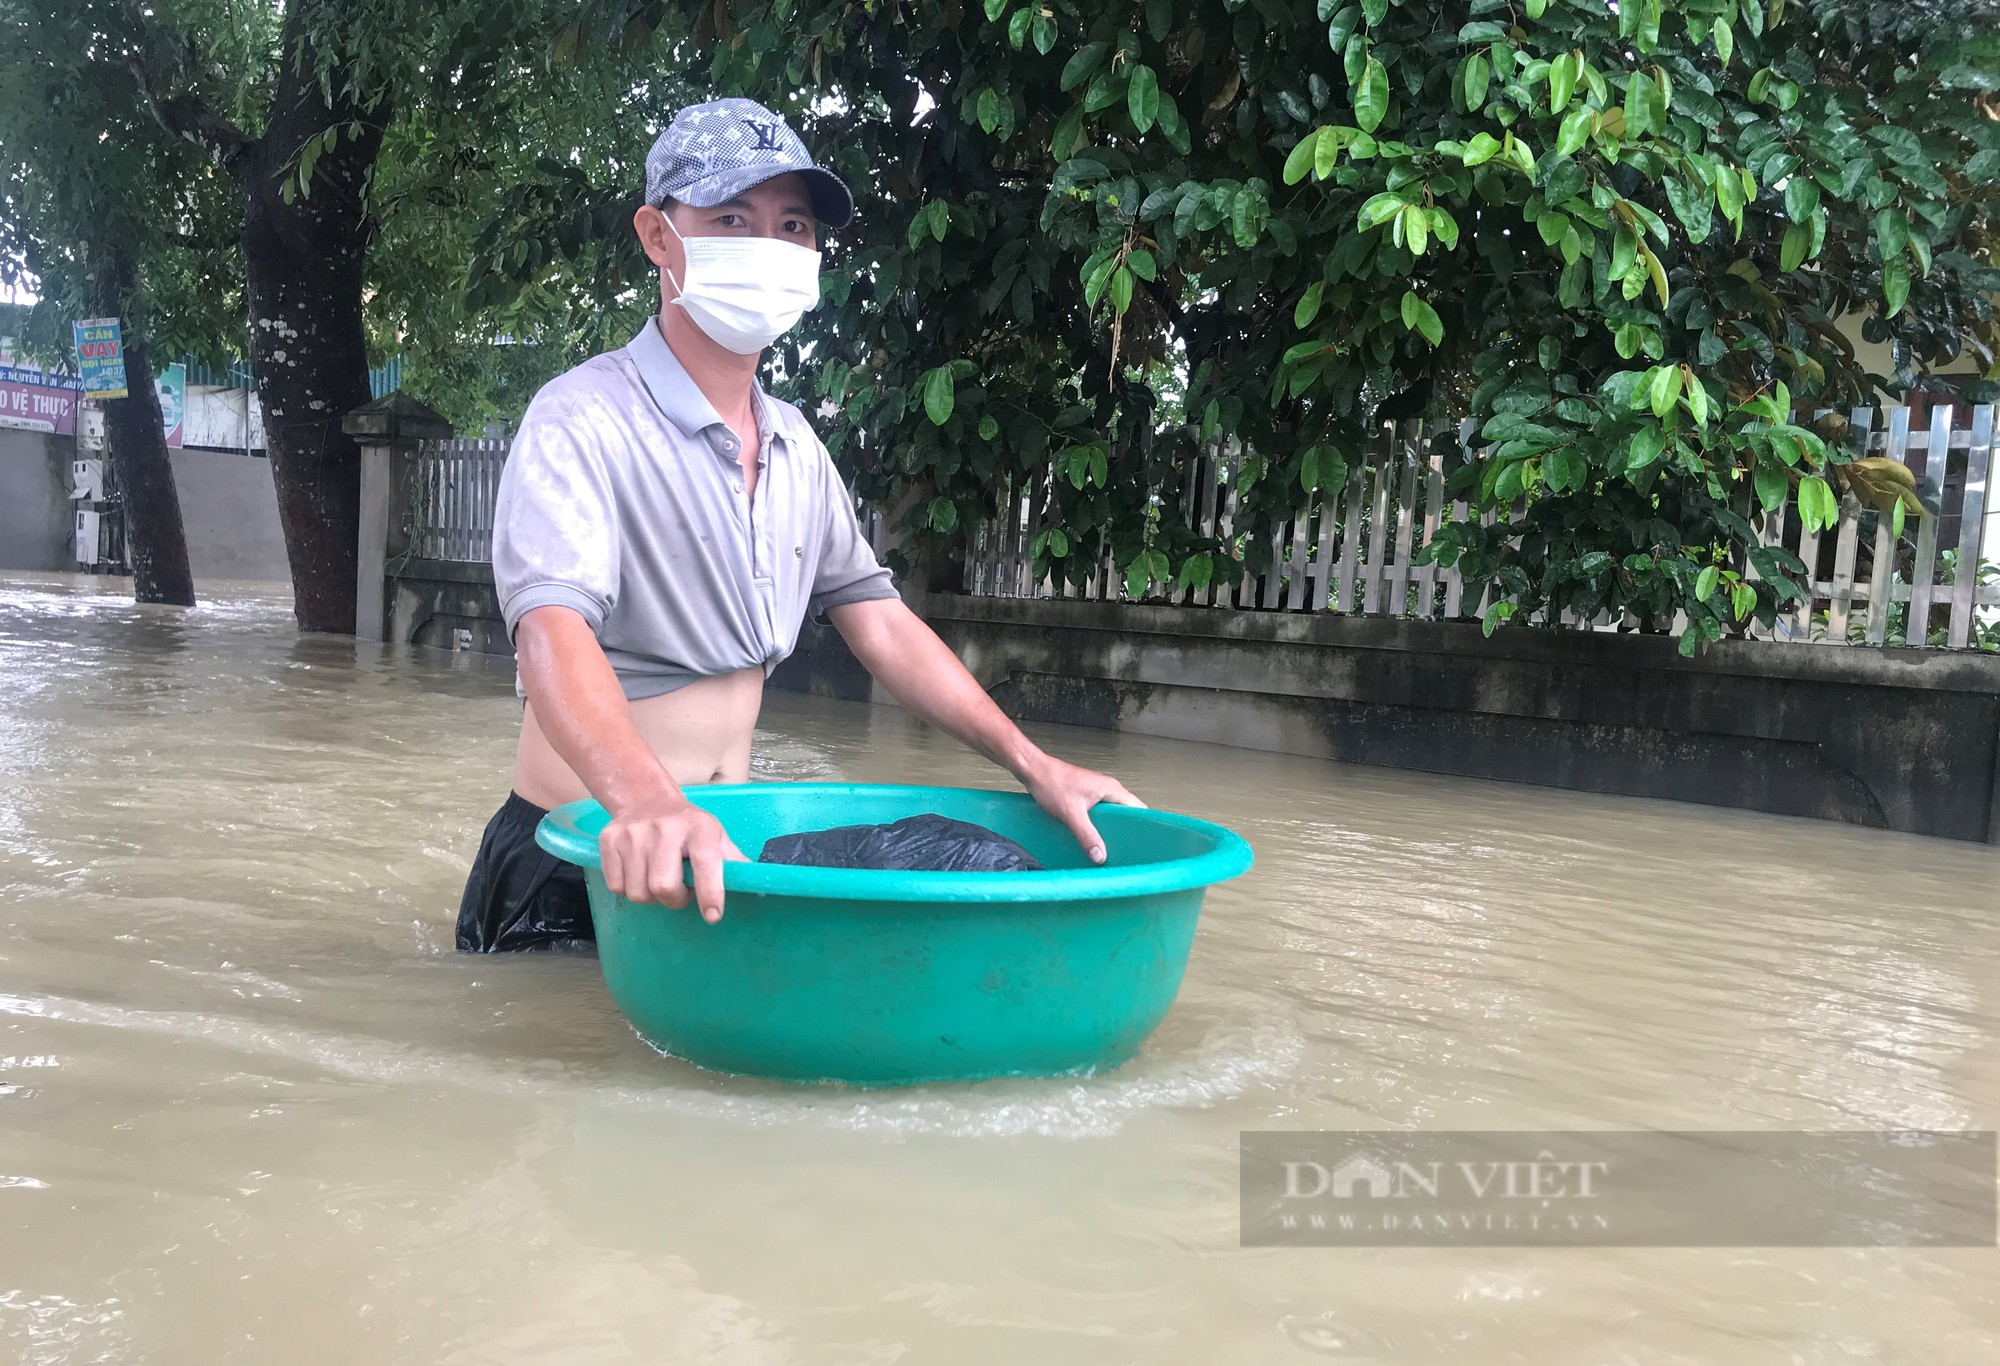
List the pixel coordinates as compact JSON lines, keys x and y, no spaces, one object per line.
{"x":681,"y":399}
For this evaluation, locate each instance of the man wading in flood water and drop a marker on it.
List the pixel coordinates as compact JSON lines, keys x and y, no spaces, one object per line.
{"x":664,"y":528}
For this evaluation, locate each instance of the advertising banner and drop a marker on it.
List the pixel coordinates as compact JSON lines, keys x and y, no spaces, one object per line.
{"x":172,"y":386}
{"x":100,"y":358}
{"x":36,"y":401}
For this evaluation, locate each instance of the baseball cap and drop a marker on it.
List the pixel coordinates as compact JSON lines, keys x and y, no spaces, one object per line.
{"x":713,"y":152}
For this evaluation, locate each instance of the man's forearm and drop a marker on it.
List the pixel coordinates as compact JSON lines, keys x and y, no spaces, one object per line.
{"x":582,"y":710}
{"x":922,"y":673}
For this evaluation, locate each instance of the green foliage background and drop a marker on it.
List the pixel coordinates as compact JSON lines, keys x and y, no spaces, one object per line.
{"x":1095,"y":236}
{"x":1620,"y":241}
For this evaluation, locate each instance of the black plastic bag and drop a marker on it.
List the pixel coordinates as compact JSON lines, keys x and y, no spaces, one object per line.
{"x":915,"y":844}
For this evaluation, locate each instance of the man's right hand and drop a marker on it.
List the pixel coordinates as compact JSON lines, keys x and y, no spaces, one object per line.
{"x":644,"y":846}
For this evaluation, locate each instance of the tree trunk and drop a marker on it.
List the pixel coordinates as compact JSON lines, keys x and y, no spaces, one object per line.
{"x":136,"y":436}
{"x":303,"y":265}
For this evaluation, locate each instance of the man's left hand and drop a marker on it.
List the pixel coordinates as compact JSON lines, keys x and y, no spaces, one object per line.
{"x":1068,"y":792}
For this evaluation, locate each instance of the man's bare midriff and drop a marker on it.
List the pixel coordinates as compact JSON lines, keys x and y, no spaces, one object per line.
{"x":700,"y":732}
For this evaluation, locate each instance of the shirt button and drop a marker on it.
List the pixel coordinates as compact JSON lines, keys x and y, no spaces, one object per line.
{"x":799,"y":551}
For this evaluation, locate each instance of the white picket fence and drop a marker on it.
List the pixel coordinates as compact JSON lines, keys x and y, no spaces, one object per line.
{"x":457,"y":483}
{"x":1352,"y":554}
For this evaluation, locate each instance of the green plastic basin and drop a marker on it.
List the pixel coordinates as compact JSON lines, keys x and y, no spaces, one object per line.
{"x":888,"y":978}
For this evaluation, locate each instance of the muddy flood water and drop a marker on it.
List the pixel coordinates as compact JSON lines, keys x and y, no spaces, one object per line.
{"x":253,"y":1109}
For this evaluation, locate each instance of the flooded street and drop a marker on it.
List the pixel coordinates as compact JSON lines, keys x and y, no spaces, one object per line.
{"x":253,"y":1109}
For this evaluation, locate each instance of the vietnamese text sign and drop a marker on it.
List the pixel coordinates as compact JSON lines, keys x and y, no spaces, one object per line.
{"x":36,"y":401}
{"x":100,"y":358}
{"x":1923,"y":1188}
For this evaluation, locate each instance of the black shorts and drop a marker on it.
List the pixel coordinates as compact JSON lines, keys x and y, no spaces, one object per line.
{"x":519,"y":896}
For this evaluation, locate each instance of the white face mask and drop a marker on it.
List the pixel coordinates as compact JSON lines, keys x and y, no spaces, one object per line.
{"x":746,"y":292}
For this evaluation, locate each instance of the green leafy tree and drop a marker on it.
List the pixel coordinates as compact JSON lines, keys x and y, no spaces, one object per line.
{"x":105,"y":216}
{"x":1624,"y":241}
{"x":292,"y":104}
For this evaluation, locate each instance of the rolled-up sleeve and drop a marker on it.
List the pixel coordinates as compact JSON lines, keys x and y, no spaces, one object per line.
{"x":848,"y":570}
{"x":555,"y":527}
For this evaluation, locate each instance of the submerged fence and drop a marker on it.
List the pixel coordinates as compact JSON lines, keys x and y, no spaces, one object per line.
{"x":1353,"y":554}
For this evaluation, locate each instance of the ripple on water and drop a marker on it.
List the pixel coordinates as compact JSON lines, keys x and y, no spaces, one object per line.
{"x":1221,"y":1061}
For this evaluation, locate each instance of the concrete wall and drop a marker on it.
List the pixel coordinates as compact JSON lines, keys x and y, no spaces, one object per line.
{"x":35,"y":523}
{"x":1905,"y":739}
{"x":430,"y":602}
{"x":230,"y":508}
{"x":228,"y":505}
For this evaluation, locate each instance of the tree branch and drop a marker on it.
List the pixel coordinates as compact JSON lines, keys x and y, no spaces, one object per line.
{"x":186,"y":115}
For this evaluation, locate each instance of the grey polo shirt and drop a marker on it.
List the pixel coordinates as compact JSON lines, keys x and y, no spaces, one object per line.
{"x":623,"y":500}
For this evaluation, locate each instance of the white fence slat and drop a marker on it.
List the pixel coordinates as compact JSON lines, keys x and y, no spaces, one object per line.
{"x":1425,"y":576}
{"x":1848,"y":541}
{"x":1319,"y":573}
{"x":1295,"y":590}
{"x":1809,"y":553}
{"x":1407,"y":455}
{"x":1930,"y":492}
{"x":1375,"y":586}
{"x":1350,"y":538}
{"x":1881,"y":578}
{"x":1205,"y":595}
{"x":1971,"y":525}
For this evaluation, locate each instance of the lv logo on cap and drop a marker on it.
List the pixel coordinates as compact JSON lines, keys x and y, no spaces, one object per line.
{"x":766,"y":134}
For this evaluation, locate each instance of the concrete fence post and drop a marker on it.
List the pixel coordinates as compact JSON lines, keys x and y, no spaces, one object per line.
{"x":388,"y":431}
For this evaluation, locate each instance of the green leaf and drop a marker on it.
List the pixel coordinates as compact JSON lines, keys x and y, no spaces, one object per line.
{"x":940,"y":395}
{"x":989,"y":427}
{"x":1308,"y":306}
{"x":1645,"y":106}
{"x":1142,"y":99}
{"x":1665,"y":390}
{"x":1419,"y":316}
{"x":1143,"y":265}
{"x":1326,"y":157}
{"x":989,"y":109}
{"x":1819,"y":510}
{"x":1121,"y":290}
{"x":1772,"y":485}
{"x":1068,"y":135}
{"x":1416,"y":230}
{"x":1892,"y":233}
{"x":943,"y":515}
{"x":1044,"y":33}
{"x":1575,"y":130}
{"x":1895,"y":285}
{"x":1798,"y":240}
{"x":1562,"y":81}
{"x":1017,"y":27}
{"x":1371,"y":96}
{"x":994,"y":9}
{"x":1743,"y":597}
{"x":1482,"y":148}
{"x":1300,"y":163}
{"x":1801,"y":198}
{"x":1196,"y":572}
{"x":1079,"y":67}
{"x":1375,"y":10}
{"x":1704,"y":583}
{"x":1474,"y":75}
